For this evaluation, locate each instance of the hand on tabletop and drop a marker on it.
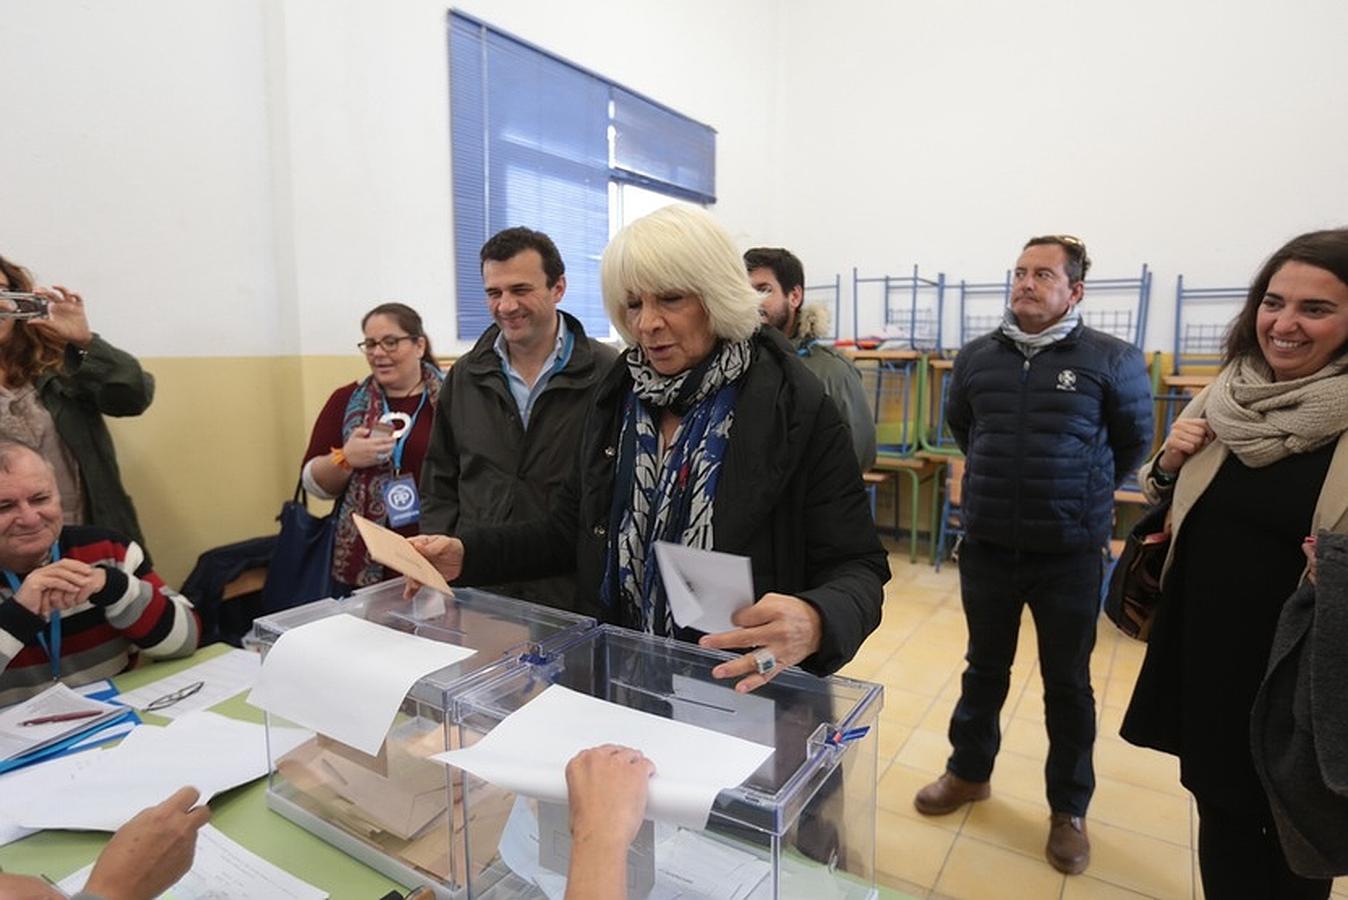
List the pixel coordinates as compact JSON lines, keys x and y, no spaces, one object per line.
{"x":786,"y":626}
{"x":1187,"y":437}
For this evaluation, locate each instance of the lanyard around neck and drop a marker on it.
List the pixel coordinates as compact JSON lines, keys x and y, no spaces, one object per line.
{"x":407,"y":432}
{"x":51,"y":642}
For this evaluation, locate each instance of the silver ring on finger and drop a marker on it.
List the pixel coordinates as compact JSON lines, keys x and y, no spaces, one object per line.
{"x":764,"y":660}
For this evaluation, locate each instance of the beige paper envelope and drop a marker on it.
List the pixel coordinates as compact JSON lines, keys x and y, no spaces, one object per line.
{"x":394,"y":551}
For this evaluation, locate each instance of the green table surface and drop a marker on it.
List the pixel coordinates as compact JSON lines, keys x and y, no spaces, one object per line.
{"x":241,"y":814}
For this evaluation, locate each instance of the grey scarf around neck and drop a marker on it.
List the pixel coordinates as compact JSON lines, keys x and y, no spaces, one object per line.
{"x":1030,"y":344}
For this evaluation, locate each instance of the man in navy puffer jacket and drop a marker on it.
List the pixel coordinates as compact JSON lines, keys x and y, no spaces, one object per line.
{"x":1051,"y":416}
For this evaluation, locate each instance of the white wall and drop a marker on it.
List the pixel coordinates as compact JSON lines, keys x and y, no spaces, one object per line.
{"x":134,"y":167}
{"x":247,"y":176}
{"x":1193,"y":136}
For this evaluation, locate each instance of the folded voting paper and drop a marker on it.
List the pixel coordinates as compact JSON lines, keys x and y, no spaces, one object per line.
{"x":346,"y":677}
{"x":396,"y":552}
{"x":528,"y":750}
{"x":704,"y":587}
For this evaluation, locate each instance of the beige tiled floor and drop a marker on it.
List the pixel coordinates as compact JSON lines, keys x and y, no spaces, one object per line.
{"x":1142,"y":822}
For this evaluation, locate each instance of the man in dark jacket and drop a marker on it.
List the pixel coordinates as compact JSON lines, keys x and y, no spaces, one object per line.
{"x":779,"y":278}
{"x":1051,"y":416}
{"x":510,"y":413}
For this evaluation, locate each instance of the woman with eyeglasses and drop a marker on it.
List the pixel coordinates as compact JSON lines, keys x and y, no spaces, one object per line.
{"x":368,"y":443}
{"x":58,"y":379}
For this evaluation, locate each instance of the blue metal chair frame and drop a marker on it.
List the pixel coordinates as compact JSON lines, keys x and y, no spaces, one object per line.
{"x":948,"y":529}
{"x":972,"y":326}
{"x":1196,"y":344}
{"x":830,"y":294}
{"x":1126,"y":324}
{"x":918,"y":326}
{"x":1200,"y":344}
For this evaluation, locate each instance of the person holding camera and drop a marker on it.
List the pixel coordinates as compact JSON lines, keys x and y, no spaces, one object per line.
{"x":58,"y":379}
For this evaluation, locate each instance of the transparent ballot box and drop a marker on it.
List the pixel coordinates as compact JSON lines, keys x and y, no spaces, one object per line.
{"x":802,"y":825}
{"x":399,"y":811}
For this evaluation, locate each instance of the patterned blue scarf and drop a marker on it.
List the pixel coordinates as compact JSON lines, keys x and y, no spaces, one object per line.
{"x":669,"y":498}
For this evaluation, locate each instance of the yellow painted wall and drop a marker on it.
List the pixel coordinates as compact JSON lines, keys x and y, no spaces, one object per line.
{"x":215,"y":455}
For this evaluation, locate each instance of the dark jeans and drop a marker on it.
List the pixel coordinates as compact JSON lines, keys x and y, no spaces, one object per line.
{"x":1063,"y":593}
{"x":1241,"y":857}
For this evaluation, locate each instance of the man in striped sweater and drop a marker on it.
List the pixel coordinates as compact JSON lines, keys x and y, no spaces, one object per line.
{"x":76,"y":603}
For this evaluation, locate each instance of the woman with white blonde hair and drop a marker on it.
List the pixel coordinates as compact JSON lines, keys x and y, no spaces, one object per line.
{"x":707,"y":432}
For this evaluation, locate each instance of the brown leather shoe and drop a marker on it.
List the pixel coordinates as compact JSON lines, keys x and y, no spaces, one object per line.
{"x":1068,"y":850}
{"x":948,"y":793}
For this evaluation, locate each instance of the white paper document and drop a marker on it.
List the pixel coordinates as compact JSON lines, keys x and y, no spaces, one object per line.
{"x":18,"y":786}
{"x":528,"y":752}
{"x":48,"y":718}
{"x":221,"y":678}
{"x":704,"y":587}
{"x":345,"y":677}
{"x":223,"y":870}
{"x":102,"y":790}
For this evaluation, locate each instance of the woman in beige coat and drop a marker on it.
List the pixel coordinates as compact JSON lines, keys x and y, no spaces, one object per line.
{"x":1254,"y":467}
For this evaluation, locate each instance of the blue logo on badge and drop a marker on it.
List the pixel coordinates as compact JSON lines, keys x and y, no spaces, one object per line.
{"x":401,"y":501}
{"x":401,"y":497}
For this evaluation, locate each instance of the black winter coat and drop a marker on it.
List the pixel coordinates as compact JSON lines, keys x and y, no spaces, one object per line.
{"x":484,"y":468}
{"x":1049,"y":439}
{"x":790,"y":498}
{"x":101,"y":381}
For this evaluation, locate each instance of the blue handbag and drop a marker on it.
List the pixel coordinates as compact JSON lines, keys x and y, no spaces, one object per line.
{"x":301,"y":568}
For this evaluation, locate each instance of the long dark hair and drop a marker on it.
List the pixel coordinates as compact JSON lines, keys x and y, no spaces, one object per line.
{"x":408,"y":320}
{"x":28,"y":353}
{"x":1326,"y":250}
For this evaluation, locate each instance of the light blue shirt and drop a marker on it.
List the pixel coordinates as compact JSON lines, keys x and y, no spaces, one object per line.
{"x":524,"y":394}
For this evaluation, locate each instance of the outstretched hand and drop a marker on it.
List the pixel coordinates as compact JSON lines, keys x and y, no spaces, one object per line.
{"x":151,"y":852}
{"x":445,"y":553}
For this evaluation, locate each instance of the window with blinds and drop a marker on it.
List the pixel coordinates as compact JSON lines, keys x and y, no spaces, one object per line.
{"x":536,"y":141}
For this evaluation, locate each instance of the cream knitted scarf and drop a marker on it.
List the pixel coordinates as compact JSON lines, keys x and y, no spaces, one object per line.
{"x":1262,"y":420}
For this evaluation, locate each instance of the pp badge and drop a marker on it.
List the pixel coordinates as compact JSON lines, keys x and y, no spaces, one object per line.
{"x":401,"y":501}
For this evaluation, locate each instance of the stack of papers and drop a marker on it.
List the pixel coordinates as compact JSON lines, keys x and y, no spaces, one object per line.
{"x":223,"y":870}
{"x":101,"y":791}
{"x":49,"y":723}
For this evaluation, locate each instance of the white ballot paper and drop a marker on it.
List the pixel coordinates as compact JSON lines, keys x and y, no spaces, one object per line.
{"x":223,"y":870}
{"x":102,"y":790}
{"x":345,"y":677}
{"x":528,"y":751}
{"x":221,"y":678}
{"x":704,"y":587}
